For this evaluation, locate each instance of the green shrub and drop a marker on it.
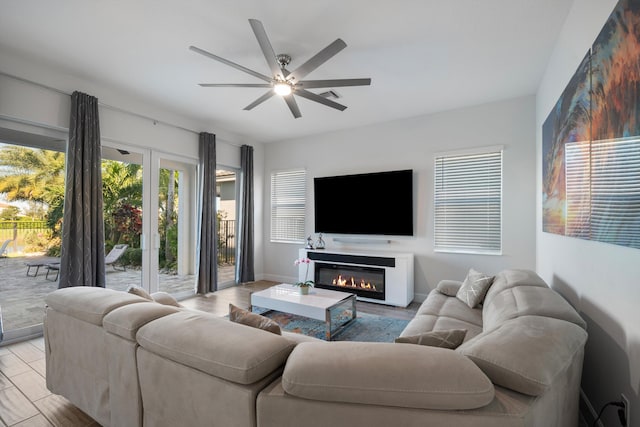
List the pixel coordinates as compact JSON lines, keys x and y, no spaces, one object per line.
{"x":37,"y":240}
{"x":131,"y":257}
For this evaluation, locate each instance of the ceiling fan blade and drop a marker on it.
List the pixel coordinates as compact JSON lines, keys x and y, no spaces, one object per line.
{"x":318,"y":59}
{"x":309,"y":84}
{"x":293,"y":106}
{"x":265,"y":45}
{"x":231,"y":64}
{"x":260,"y":100}
{"x":234,"y":85}
{"x":317,"y":98}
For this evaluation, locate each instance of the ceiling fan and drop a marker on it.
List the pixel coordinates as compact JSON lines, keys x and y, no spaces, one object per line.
{"x":284,"y":82}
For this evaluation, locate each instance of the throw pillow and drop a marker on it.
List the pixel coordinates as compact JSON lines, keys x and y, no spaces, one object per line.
{"x":238,"y":315}
{"x":443,"y":339}
{"x":137,"y":290}
{"x":165,"y":299}
{"x":474,"y":288}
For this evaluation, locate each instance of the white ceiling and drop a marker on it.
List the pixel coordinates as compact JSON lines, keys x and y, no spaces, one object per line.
{"x":423,"y":56}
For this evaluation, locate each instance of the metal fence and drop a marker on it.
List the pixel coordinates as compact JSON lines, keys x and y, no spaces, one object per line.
{"x":17,"y":232}
{"x":227,"y":242}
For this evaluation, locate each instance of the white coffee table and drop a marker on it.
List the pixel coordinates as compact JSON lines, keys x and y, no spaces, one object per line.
{"x":316,"y":305}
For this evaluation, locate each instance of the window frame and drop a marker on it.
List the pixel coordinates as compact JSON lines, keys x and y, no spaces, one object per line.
{"x":299,"y":206}
{"x":490,"y":242}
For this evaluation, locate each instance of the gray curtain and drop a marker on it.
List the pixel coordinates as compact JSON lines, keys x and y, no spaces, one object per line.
{"x":244,"y":264}
{"x":82,"y":261}
{"x":208,"y":235}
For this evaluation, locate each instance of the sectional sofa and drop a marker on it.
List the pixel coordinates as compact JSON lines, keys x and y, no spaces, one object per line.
{"x":127,"y":361}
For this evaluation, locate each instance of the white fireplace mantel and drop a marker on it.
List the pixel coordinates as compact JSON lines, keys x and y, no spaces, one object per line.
{"x":398,"y":278}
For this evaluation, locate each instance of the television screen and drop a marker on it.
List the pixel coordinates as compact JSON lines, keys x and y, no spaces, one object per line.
{"x":373,"y":203}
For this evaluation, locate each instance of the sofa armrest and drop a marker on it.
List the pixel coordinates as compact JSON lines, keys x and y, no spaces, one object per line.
{"x":449,"y":287}
{"x":87,"y":303}
{"x":401,"y":375}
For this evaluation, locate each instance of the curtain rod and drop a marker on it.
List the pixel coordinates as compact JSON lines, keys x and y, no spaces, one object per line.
{"x":107,"y":106}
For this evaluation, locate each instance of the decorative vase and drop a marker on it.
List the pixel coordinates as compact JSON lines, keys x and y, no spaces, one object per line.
{"x":304,"y":290}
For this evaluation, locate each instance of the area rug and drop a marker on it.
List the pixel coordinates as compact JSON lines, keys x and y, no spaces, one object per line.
{"x":366,"y":327}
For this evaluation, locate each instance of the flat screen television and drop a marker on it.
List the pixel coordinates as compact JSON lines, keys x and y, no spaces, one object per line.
{"x":378,"y":203}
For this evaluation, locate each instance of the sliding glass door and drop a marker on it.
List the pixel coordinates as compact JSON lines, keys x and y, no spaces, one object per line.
{"x":149,"y":247}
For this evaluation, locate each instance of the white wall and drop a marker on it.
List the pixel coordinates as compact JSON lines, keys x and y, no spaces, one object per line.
{"x":411,"y":144}
{"x":600,"y":280}
{"x":31,"y":108}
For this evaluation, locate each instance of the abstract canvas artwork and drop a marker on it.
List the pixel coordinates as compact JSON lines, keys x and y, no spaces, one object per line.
{"x":568,"y":122}
{"x":591,"y":140}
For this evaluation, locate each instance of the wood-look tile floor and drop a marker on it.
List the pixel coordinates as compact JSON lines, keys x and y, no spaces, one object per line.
{"x":26,"y":402}
{"x":24,"y":398}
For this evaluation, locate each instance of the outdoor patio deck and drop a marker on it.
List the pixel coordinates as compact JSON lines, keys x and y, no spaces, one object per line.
{"x":22,"y":297}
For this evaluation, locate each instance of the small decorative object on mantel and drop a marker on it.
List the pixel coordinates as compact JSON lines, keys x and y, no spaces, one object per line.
{"x":304,"y":286}
{"x":320,"y":242}
{"x":309,"y":243}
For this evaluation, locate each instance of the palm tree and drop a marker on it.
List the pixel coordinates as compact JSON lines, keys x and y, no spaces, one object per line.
{"x":121,"y":184}
{"x":34,"y":175}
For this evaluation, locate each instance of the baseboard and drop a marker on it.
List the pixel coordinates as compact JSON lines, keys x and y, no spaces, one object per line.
{"x":279,"y":279}
{"x":226,"y":285}
{"x":587,"y":410}
{"x":420,"y":297}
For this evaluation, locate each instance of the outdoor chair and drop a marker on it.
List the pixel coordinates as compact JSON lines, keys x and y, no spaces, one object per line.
{"x":3,"y":248}
{"x":114,"y":255}
{"x":38,"y":262}
{"x":53,"y":267}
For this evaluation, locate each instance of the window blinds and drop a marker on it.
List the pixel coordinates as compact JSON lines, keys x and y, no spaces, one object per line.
{"x":288,"y":196}
{"x":468,"y":203}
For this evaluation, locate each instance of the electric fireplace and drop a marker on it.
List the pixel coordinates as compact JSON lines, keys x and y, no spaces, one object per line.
{"x":363,"y":281}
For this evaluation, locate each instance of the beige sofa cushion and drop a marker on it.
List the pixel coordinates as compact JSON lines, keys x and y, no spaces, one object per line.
{"x":408,"y":376}
{"x":440,"y":312}
{"x":422,"y":323}
{"x":89,"y":304}
{"x":528,"y":301}
{"x":527,"y":353}
{"x":296,"y":339}
{"x":449,"y":287}
{"x":276,"y":408}
{"x":511,"y":278}
{"x":450,"y":339}
{"x":216,"y":346}
{"x":125,"y":321}
{"x":438,"y":304}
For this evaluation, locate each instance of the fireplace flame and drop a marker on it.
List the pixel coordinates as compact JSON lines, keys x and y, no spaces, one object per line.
{"x":352,"y":283}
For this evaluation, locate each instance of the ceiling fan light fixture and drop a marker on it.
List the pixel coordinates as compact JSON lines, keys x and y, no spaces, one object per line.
{"x":281,"y":81}
{"x":282,"y":89}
